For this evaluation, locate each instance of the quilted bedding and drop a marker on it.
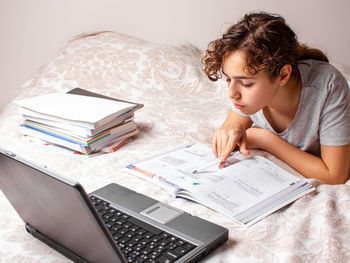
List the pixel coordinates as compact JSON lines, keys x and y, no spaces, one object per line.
{"x":180,"y":105}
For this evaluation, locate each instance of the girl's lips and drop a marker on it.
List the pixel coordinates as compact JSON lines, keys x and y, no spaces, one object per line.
{"x":238,"y":106}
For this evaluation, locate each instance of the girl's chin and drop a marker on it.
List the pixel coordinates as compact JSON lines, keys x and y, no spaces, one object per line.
{"x":247,"y":111}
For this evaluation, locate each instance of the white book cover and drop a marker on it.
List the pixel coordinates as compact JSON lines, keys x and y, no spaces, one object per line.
{"x":76,"y":107}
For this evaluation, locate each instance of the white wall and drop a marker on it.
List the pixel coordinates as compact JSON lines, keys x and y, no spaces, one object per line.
{"x":33,"y":31}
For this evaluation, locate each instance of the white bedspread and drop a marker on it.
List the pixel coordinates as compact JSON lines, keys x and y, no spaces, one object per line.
{"x":181,"y":105}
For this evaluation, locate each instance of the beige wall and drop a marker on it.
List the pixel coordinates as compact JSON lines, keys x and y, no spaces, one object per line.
{"x":33,"y":30}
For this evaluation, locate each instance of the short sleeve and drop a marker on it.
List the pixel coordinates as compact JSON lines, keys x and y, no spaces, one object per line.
{"x":335,"y":117}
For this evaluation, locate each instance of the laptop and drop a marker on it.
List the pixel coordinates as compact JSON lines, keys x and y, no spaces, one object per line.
{"x":112,"y":224}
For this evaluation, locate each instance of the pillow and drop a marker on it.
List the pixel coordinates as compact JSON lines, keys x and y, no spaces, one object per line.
{"x":110,"y":61}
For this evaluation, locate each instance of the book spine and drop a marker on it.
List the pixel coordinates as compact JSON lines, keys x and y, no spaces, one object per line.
{"x":54,"y":133}
{"x":55,"y":140}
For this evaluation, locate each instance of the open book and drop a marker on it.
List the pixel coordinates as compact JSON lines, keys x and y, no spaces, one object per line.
{"x":247,"y":189}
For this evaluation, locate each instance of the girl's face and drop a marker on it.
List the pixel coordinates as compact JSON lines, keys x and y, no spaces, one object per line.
{"x":249,"y":93}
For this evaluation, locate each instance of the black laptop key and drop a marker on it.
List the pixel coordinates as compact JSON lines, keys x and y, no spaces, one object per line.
{"x":171,"y":246}
{"x":180,"y":250}
{"x":123,"y":230}
{"x":189,"y":246}
{"x":152,"y":245}
{"x":148,"y":235}
{"x":155,"y":255}
{"x":178,"y":242}
{"x":171,"y":254}
{"x":115,"y":228}
{"x":134,"y":228}
{"x":163,"y":242}
{"x":130,"y":234}
{"x":156,"y":238}
{"x":120,"y":221}
{"x":145,"y":241}
{"x":137,"y":238}
{"x":108,"y":215}
{"x":163,"y":259}
{"x":117,"y":236}
{"x":148,"y":227}
{"x":129,"y":225}
{"x":109,"y":224}
{"x":141,"y":231}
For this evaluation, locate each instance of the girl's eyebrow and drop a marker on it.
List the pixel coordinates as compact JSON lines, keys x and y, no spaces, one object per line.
{"x":237,"y":77}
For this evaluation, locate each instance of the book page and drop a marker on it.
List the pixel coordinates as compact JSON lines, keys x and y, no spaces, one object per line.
{"x":167,"y":169}
{"x":74,"y":107}
{"x":241,"y":188}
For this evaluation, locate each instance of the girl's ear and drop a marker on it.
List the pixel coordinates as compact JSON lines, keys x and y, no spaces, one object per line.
{"x":285,"y":73}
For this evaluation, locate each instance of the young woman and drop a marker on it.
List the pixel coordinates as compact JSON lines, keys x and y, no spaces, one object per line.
{"x":287,"y":99}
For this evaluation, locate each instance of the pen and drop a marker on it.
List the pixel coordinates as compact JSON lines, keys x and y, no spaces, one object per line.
{"x":213,"y":163}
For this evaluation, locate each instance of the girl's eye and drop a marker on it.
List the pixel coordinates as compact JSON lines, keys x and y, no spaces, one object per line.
{"x":228,"y":80}
{"x":247,"y":84}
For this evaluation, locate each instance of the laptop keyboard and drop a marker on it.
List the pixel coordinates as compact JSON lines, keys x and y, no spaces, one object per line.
{"x":138,"y":240}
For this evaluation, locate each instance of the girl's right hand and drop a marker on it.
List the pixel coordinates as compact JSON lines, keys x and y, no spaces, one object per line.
{"x":227,"y":138}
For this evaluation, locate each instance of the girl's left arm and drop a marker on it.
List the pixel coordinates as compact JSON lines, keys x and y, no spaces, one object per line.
{"x":331,"y":168}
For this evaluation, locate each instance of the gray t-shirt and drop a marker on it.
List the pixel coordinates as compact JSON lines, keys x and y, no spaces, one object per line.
{"x":323,"y":115}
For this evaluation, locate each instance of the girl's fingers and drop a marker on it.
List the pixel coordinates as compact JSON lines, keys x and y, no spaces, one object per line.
{"x":230,"y":145}
{"x":243,"y":145}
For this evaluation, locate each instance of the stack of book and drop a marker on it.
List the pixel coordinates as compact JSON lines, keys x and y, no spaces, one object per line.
{"x":79,"y":120}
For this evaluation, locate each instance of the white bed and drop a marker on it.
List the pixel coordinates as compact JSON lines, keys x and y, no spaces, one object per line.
{"x":181,"y":105}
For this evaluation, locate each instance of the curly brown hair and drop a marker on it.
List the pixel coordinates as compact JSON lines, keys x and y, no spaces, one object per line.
{"x":267,"y":42}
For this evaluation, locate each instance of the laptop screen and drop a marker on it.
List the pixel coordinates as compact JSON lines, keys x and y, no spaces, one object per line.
{"x":57,"y":208}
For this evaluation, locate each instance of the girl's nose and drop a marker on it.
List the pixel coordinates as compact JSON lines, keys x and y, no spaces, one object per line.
{"x":233,"y":91}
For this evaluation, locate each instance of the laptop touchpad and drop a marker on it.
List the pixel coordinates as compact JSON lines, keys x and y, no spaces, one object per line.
{"x":161,"y":212}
